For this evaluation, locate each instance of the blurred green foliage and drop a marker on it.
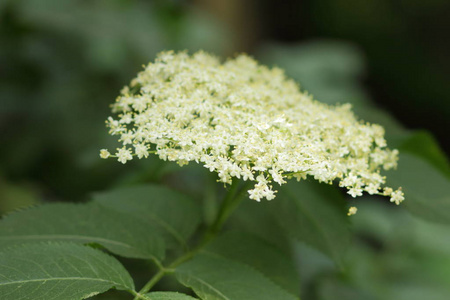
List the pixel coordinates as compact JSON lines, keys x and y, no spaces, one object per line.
{"x":63,"y":63}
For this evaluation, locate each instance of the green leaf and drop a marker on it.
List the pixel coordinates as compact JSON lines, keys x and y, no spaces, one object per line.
{"x":427,"y":191}
{"x":213,"y":277}
{"x":54,"y":271}
{"x":315,"y":213}
{"x":423,"y":144}
{"x":258,"y":219}
{"x":16,"y":196}
{"x":257,"y":253}
{"x":82,"y":223}
{"x":330,"y":288}
{"x":168,"y":296}
{"x":173,"y":215}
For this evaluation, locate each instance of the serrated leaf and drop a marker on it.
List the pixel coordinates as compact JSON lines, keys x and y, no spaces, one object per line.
{"x":82,"y":223}
{"x":213,"y":277}
{"x":315,"y":213}
{"x":173,"y":215}
{"x":427,"y":191}
{"x":168,"y":296}
{"x":257,"y":253}
{"x":55,"y":271}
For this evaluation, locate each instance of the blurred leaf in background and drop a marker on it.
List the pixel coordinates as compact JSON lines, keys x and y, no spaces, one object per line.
{"x":63,"y":63}
{"x":15,"y":196}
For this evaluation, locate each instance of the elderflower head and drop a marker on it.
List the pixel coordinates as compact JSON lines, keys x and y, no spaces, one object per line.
{"x":244,"y":120}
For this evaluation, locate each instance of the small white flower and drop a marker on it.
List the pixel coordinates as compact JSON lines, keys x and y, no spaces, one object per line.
{"x":355,"y":192}
{"x":127,"y":138}
{"x":123,"y":155}
{"x":351,"y":211}
{"x":126,"y":119}
{"x":141,"y":150}
{"x":387,"y":191}
{"x":277,"y":177}
{"x":397,"y":197}
{"x":139,"y":104}
{"x":247,"y":174}
{"x":104,"y":153}
{"x":372,"y":189}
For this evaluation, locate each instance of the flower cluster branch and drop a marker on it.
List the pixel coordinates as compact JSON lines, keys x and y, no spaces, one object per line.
{"x":247,"y":121}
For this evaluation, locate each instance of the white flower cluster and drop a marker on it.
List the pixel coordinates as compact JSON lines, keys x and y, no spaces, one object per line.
{"x":244,"y":120}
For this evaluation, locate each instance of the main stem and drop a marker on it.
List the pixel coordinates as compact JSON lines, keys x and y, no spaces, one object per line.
{"x":229,"y":204}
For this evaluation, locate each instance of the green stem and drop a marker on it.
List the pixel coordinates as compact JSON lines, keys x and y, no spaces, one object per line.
{"x":229,"y":204}
{"x":154,"y":280}
{"x":210,"y":203}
